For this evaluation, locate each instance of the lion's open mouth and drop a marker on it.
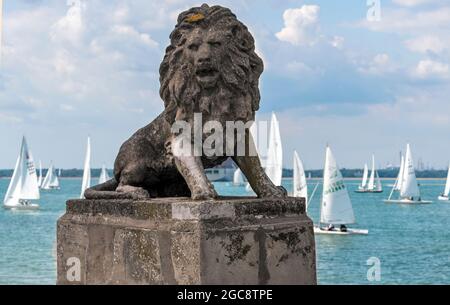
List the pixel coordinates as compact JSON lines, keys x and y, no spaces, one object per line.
{"x":206,"y":72}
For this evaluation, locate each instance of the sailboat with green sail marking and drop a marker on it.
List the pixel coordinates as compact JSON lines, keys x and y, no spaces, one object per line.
{"x":336,"y":207}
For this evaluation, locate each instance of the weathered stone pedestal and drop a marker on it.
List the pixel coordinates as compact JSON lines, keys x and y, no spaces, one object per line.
{"x":180,"y":241}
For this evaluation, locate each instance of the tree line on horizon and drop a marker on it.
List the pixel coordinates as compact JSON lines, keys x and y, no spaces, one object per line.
{"x":347,"y":173}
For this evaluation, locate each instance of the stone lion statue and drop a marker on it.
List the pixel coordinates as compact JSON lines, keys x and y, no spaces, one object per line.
{"x":211,"y":68}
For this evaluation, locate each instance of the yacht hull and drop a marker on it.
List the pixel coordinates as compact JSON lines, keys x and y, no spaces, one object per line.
{"x":350,"y":231}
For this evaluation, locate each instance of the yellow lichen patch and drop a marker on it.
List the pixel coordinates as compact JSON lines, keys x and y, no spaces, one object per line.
{"x":195,"y":17}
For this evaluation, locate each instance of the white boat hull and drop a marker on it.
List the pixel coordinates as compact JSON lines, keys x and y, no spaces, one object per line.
{"x":406,"y":201}
{"x":51,"y":188}
{"x":444,"y":198}
{"x":367,"y":191}
{"x":23,"y":207}
{"x":336,"y":231}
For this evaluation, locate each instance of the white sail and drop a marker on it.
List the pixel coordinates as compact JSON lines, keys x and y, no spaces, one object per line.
{"x":447,"y":183}
{"x":238,"y":178}
{"x":274,"y":163}
{"x":398,"y":184}
{"x":87,"y":169}
{"x":299,"y":183}
{"x":40,"y":174}
{"x":365,"y":175}
{"x":54,"y":182}
{"x":51,"y":180}
{"x":336,"y":207}
{"x":409,"y":186}
{"x":23,"y":185}
{"x":378,"y":185}
{"x":103,"y":175}
{"x":255,"y":136}
{"x":371,"y":184}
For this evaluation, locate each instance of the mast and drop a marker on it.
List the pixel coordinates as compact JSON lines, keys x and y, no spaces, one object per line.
{"x":87,"y":169}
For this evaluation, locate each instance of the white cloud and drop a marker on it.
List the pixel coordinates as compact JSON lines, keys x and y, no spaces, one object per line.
{"x":131,"y":32}
{"x":431,"y":69}
{"x":65,"y":107}
{"x":70,"y":27}
{"x":63,"y":63}
{"x":298,"y":67}
{"x":381,"y":63}
{"x":7,"y":118}
{"x":121,"y":14}
{"x":426,"y":44}
{"x":411,"y":21}
{"x":337,"y":42}
{"x":411,"y":3}
{"x":381,"y":59}
{"x":299,"y":25}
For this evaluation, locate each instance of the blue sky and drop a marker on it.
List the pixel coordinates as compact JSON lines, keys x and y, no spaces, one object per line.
{"x":91,"y":67}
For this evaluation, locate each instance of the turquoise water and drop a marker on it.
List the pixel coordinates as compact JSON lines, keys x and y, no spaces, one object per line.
{"x":411,"y":242}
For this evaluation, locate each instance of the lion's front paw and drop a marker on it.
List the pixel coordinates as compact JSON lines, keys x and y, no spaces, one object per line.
{"x":273,"y":192}
{"x":204,"y":193}
{"x":133,"y":191}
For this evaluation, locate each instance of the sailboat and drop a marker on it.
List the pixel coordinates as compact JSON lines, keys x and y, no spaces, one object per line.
{"x":378,"y":185}
{"x":408,"y":187}
{"x":254,"y":134}
{"x":363,"y":185}
{"x":444,"y":196}
{"x":274,"y":163}
{"x":24,"y":184}
{"x":40,"y":174}
{"x":103,"y":175}
{"x":87,"y":169}
{"x":51,"y":180}
{"x":300,"y":187}
{"x":373,"y":185}
{"x":336,"y":207}
{"x":238,"y":177}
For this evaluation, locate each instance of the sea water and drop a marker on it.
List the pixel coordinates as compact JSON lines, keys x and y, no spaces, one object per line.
{"x":410,"y":242}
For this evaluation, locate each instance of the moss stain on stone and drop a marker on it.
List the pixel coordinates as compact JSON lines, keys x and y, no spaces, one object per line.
{"x":293,"y":243}
{"x":236,"y":249}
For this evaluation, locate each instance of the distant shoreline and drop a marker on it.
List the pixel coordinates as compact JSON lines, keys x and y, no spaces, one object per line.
{"x":284,"y":178}
{"x":350,"y":174}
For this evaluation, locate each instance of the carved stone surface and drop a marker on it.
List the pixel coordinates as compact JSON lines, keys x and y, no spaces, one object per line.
{"x":209,"y":68}
{"x":180,"y":241}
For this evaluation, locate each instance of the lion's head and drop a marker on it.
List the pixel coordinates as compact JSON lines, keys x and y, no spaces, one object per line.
{"x":211,"y":67}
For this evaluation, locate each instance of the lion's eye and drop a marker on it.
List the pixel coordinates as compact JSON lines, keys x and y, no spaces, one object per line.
{"x":193,"y":47}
